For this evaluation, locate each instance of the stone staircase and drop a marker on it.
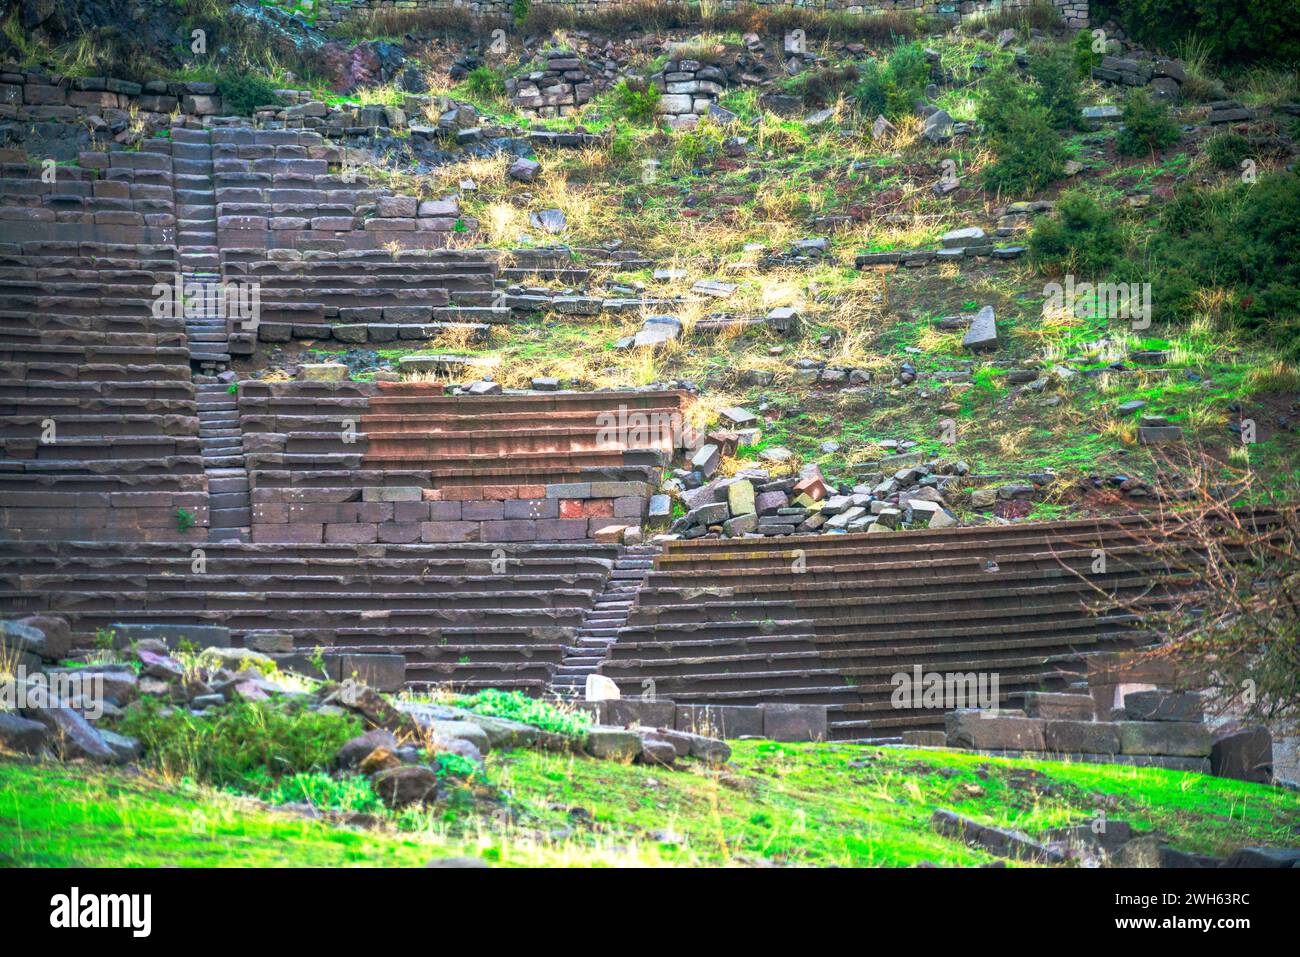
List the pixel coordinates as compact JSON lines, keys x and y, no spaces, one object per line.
{"x":600,"y":625}
{"x":229,"y":506}
{"x":195,"y":195}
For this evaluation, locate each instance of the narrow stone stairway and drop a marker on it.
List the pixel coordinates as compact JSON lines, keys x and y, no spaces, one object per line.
{"x":600,"y":625}
{"x":195,"y":196}
{"x":230,"y":510}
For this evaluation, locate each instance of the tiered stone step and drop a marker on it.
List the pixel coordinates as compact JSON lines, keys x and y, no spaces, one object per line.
{"x":601,"y":625}
{"x":359,"y":296}
{"x":207,"y":329}
{"x":229,"y":505}
{"x":99,"y":430}
{"x":534,"y":467}
{"x":195,"y":198}
{"x":464,"y":616}
{"x":831,"y":619}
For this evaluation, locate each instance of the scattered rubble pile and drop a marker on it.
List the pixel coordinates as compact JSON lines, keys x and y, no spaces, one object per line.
{"x":399,"y":752}
{"x":753,"y":503}
{"x":1100,"y":842}
{"x":1129,"y":711}
{"x":958,"y":244}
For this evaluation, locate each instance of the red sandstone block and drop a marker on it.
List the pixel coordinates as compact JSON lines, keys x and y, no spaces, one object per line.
{"x":571,"y":508}
{"x":531,"y":491}
{"x":356,"y":533}
{"x":450,"y":532}
{"x":289,"y":534}
{"x":598,"y":508}
{"x":431,"y":494}
{"x":501,"y":491}
{"x":606,"y":533}
{"x":398,"y":534}
{"x":462,"y":493}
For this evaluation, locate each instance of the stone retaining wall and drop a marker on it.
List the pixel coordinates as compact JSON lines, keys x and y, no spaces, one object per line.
{"x":1074,"y":12}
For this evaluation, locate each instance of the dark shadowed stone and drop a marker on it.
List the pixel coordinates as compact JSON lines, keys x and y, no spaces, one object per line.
{"x":1150,"y":852}
{"x":21,"y":734}
{"x":355,"y":751}
{"x":71,"y":735}
{"x":1162,"y":706}
{"x":996,"y":840}
{"x":1272,"y":857}
{"x":398,"y":787}
{"x":656,"y":749}
{"x":1246,"y":755}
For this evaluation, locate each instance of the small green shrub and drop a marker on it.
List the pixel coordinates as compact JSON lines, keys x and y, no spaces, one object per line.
{"x":1081,"y":236}
{"x":1085,"y":58}
{"x":892,"y":87}
{"x":1147,"y":126}
{"x":518,"y":707}
{"x":241,"y":93}
{"x":694,"y":146}
{"x":1243,"y":239}
{"x":184,"y":520}
{"x":1028,"y":154}
{"x":485,"y":83}
{"x":452,"y":765}
{"x":519,"y":10}
{"x":240,"y":745}
{"x":636,"y":100}
{"x":1235,"y":31}
{"x":1227,"y":150}
{"x":1058,"y":88}
{"x":351,"y":793}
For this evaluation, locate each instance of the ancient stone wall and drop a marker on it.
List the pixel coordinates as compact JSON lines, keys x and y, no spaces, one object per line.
{"x":1074,"y":12}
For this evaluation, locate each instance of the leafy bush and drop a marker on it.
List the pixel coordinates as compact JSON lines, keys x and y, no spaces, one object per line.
{"x":1236,"y":32}
{"x":1081,"y":236}
{"x":241,"y":93}
{"x":1058,"y":88}
{"x":452,"y":765}
{"x":1242,"y":238}
{"x":519,"y":10}
{"x":1227,"y":150}
{"x":518,"y":707}
{"x":1085,"y":58}
{"x":242,"y":745}
{"x":1028,"y":153}
{"x":1147,"y":126}
{"x":320,"y":790}
{"x":637,"y":100}
{"x":893,"y":87}
{"x":485,"y":83}
{"x":693,"y":146}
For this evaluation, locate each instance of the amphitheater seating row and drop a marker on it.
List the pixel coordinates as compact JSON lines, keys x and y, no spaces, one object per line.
{"x":402,"y":462}
{"x":464,"y":616}
{"x":831,"y":619}
{"x":98,"y":424}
